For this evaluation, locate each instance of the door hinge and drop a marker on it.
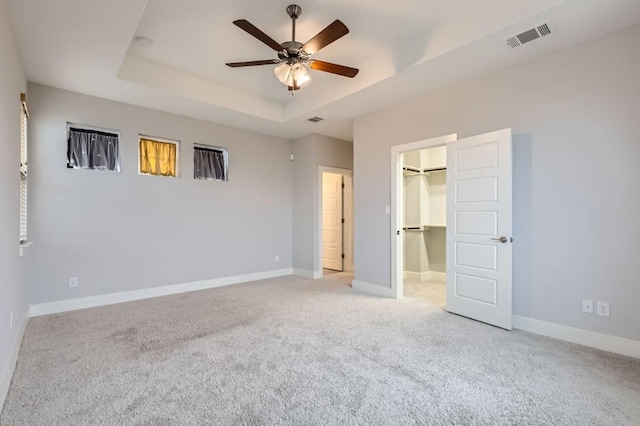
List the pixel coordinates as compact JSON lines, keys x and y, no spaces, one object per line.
{"x":343,"y":255}
{"x":343,"y":185}
{"x":343,"y":220}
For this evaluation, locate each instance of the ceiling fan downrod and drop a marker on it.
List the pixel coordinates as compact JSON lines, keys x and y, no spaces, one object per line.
{"x":294,"y":11}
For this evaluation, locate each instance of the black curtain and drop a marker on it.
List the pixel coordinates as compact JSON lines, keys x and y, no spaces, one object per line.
{"x":92,"y":149}
{"x":209,"y":164}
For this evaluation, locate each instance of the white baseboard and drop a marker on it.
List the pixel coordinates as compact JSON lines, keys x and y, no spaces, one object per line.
{"x":424,"y":276}
{"x":592,"y":339}
{"x":440,"y":276}
{"x":128,"y":296}
{"x":304,"y":273}
{"x":7,"y":374}
{"x":374,"y":289}
{"x":414,"y":276}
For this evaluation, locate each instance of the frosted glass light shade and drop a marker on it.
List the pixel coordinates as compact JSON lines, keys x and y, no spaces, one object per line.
{"x":292,"y":75}
{"x":283,"y":72}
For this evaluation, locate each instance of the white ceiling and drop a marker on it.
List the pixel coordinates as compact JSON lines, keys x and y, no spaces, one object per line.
{"x":402,"y":48}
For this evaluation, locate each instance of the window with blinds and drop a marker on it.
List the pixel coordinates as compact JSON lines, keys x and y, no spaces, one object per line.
{"x":210,"y":163}
{"x":24,"y":116}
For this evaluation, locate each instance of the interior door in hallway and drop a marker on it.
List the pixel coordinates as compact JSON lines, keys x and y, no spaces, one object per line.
{"x":332,"y":221}
{"x":479,"y":210}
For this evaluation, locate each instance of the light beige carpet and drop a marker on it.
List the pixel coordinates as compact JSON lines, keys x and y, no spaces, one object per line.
{"x":301,"y":352}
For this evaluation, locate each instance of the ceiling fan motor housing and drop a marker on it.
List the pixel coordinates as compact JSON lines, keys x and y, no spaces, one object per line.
{"x":294,"y":52}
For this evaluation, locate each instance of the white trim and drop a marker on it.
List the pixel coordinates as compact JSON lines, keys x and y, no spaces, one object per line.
{"x":128,"y":296}
{"x":580,"y":336}
{"x":311,"y":275}
{"x":415,"y":276}
{"x":347,"y":242}
{"x":374,"y":289}
{"x":397,"y":204}
{"x":7,"y":374}
{"x":440,"y":276}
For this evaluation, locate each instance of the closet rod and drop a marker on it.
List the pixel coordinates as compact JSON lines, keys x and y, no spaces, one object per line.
{"x":411,"y":169}
{"x":436,"y":169}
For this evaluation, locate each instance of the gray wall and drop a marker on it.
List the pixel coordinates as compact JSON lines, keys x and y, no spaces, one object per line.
{"x":13,"y":291}
{"x":125,"y":231}
{"x":576,"y":148}
{"x":311,"y":152}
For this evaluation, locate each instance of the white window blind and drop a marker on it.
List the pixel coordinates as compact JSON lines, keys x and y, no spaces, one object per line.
{"x":24,"y":116}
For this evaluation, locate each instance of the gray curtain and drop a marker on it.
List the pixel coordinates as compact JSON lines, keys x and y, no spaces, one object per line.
{"x":91,"y":149}
{"x":209,"y":164}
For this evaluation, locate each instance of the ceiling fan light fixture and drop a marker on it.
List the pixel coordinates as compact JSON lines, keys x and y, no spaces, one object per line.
{"x":294,"y":57}
{"x":292,"y":75}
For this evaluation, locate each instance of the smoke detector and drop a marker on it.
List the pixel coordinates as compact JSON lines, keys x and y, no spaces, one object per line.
{"x":542,"y":30}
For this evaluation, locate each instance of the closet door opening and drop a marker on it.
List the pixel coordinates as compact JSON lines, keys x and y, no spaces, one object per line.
{"x":472,"y":203}
{"x":424,"y":225}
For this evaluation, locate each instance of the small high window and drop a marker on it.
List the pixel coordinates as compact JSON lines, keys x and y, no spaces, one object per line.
{"x":158,"y":157}
{"x":210,"y":163}
{"x":93,"y":148}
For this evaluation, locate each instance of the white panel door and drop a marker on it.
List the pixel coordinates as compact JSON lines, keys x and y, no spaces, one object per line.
{"x":332,"y":221}
{"x":479,"y":228}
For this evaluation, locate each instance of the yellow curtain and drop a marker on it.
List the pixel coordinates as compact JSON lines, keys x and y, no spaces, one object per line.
{"x":157,"y":158}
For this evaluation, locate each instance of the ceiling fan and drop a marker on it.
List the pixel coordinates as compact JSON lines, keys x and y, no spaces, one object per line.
{"x":294,"y":57}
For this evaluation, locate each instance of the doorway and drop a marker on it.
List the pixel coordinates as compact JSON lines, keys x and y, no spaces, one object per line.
{"x":332,"y":221}
{"x":424,"y":224}
{"x":478,"y":223}
{"x":335,"y":233}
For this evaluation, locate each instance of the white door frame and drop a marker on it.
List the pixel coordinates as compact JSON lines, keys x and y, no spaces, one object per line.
{"x":397,"y":206}
{"x":347,"y":241}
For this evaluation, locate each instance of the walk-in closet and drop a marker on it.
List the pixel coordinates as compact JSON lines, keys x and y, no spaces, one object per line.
{"x":425,"y":190}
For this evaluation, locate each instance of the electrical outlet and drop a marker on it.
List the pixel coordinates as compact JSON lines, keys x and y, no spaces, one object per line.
{"x":602,"y":308}
{"x":277,"y":258}
{"x":587,"y":306}
{"x":387,"y":209}
{"x":11,"y":321}
{"x":73,"y":282}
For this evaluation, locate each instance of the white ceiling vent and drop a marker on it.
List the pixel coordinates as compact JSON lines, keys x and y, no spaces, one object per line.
{"x":534,"y":33}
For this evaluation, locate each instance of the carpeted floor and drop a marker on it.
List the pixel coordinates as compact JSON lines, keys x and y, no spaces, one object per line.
{"x":302,"y":352}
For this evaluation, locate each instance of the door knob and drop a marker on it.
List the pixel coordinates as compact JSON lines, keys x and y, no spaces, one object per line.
{"x":502,"y":239}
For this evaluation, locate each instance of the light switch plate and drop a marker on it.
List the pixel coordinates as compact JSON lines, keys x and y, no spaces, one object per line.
{"x":602,"y":308}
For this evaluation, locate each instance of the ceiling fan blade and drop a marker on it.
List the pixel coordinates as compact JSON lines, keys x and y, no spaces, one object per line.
{"x":253,"y":63}
{"x":254,"y":31}
{"x":334,"y":31}
{"x":333,"y":68}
